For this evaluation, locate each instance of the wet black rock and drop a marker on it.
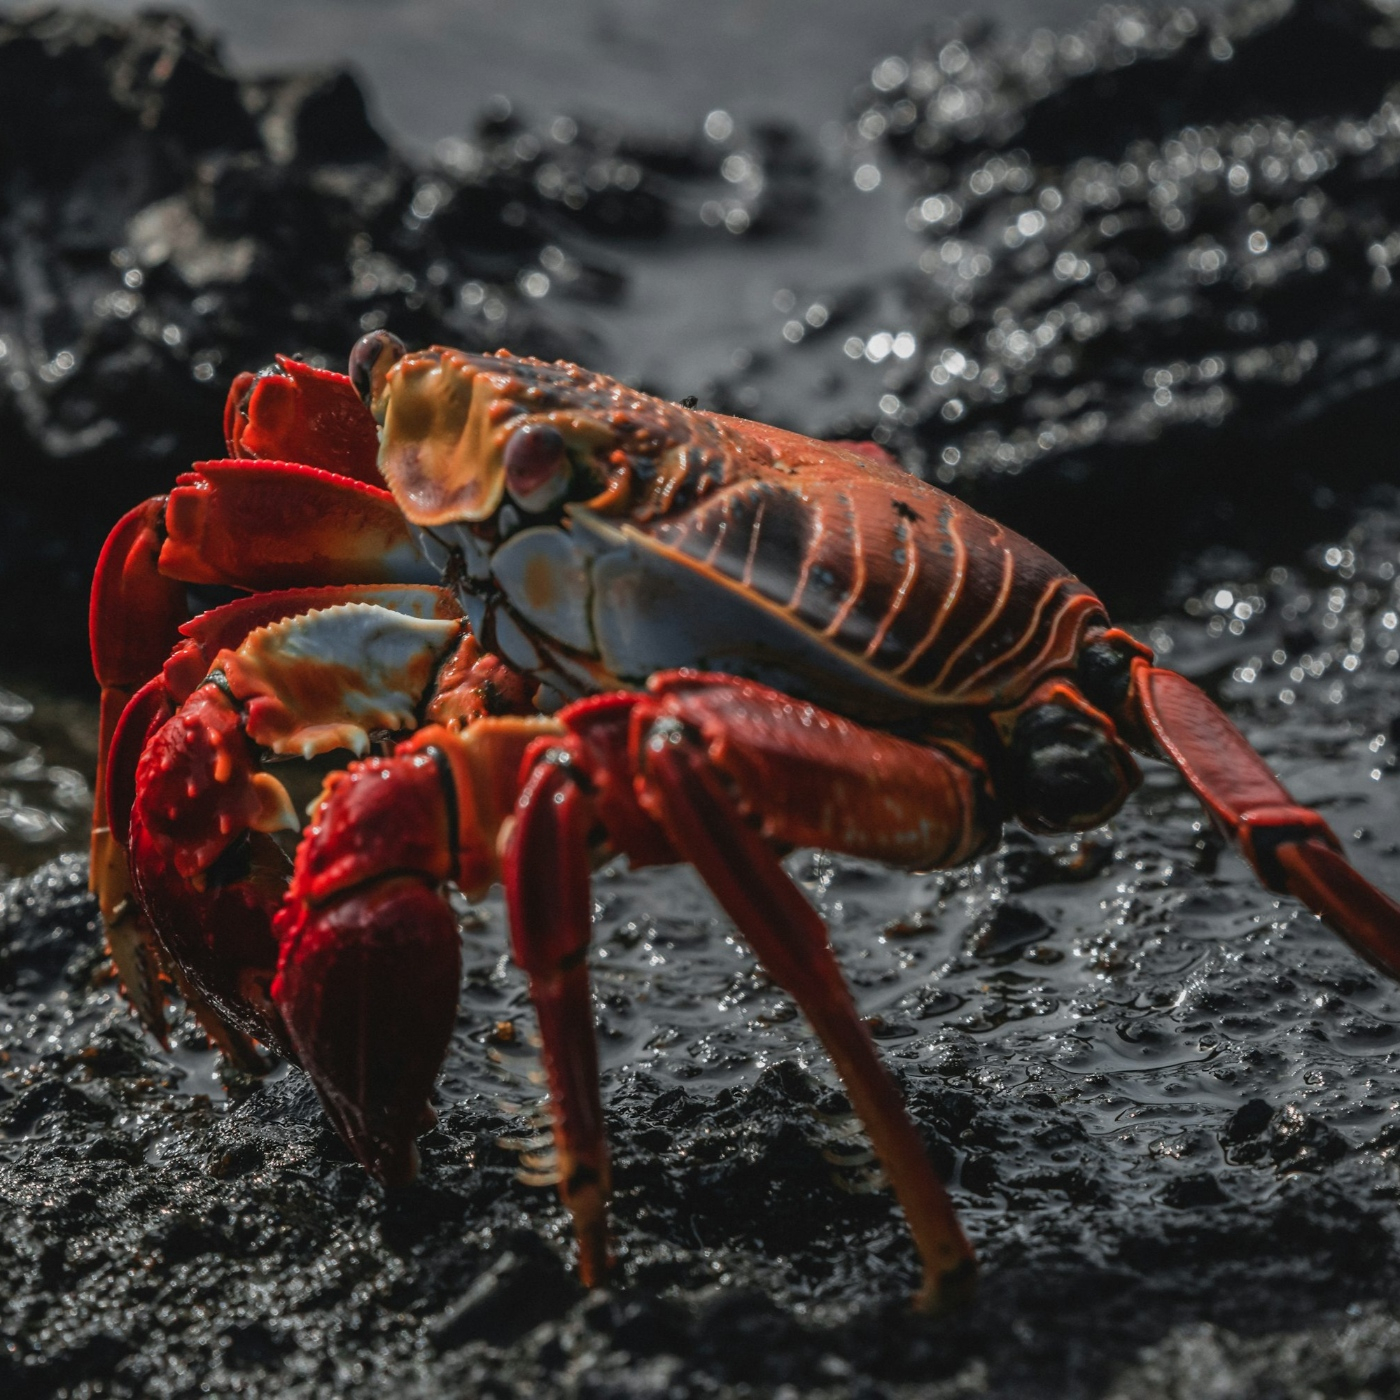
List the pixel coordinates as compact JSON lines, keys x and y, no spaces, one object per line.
{"x":47,"y":746}
{"x":1157,"y":283}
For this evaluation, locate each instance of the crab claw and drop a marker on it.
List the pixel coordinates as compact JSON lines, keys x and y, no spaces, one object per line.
{"x":367,"y":989}
{"x":205,"y":871}
{"x":370,"y":965}
{"x":294,"y":412}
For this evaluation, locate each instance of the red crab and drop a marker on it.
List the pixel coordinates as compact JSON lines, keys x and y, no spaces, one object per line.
{"x":582,"y":622}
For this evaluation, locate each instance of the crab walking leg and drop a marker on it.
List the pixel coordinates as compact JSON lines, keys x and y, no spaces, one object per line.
{"x":695,"y":749}
{"x":546,"y":871}
{"x":1291,"y":848}
{"x":790,"y":940}
{"x":577,"y":784}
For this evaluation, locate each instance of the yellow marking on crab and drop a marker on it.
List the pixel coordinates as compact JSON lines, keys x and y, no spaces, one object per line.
{"x":326,"y":679}
{"x":275,"y":811}
{"x":439,"y":448}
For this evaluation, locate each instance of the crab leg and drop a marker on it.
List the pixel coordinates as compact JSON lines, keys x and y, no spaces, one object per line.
{"x":1291,"y":848}
{"x":658,"y":772}
{"x":717,"y":755}
{"x":134,"y":617}
{"x":551,"y":921}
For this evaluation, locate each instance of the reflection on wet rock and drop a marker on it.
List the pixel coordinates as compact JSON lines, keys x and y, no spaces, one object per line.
{"x":46,"y":761}
{"x":1156,"y":276}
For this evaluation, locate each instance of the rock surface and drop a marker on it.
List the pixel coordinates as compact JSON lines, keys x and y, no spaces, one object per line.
{"x":1165,"y":1101}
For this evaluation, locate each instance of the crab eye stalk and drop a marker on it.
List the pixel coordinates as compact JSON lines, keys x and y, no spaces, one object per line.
{"x":537,"y":466}
{"x":371,"y":360}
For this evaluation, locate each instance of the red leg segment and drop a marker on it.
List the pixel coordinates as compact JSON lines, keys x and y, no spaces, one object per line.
{"x":682,"y":786}
{"x":1290,"y":847}
{"x":546,"y":871}
{"x":133,"y":621}
{"x":807,"y":777}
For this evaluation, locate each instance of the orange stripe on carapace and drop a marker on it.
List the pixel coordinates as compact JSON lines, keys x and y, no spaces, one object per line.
{"x":887,"y":570}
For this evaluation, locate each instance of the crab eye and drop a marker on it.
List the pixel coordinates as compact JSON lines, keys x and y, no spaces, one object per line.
{"x":371,"y":359}
{"x":537,"y":466}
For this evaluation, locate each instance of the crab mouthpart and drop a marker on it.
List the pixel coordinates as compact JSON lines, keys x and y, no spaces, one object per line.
{"x":441,"y":441}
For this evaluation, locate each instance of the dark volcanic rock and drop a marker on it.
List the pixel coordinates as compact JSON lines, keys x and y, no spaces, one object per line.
{"x":1163,"y":1098}
{"x":1157,"y":284}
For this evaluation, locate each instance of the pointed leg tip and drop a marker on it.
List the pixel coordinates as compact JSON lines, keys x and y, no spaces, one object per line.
{"x":393,"y":1165}
{"x":585,"y":1193}
{"x":595,"y":1259}
{"x":948,"y":1291}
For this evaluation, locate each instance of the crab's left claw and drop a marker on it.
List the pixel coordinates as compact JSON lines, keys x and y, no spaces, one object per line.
{"x":1290,"y":847}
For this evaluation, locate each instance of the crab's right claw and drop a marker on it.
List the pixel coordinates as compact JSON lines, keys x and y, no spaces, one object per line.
{"x":1290,"y":847}
{"x":370,"y":958}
